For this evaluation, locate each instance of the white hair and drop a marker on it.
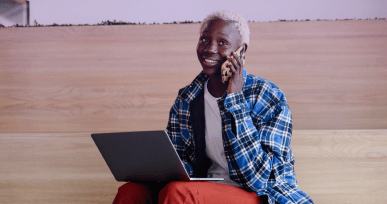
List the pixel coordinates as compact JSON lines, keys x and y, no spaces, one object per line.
{"x":236,"y":20}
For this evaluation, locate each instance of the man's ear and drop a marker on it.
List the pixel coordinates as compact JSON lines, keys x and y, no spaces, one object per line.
{"x":244,"y":44}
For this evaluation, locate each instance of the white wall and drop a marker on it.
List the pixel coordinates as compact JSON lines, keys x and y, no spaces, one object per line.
{"x":12,"y":13}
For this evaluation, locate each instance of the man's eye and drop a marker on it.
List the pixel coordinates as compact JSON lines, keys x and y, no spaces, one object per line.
{"x":223,"y":43}
{"x":204,"y":40}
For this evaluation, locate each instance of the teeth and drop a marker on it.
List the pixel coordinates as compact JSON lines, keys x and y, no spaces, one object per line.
{"x":211,"y":61}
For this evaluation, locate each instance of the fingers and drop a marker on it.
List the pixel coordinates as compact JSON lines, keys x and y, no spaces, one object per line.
{"x":239,"y":61}
{"x":233,"y":62}
{"x":236,"y":62}
{"x":236,"y":81}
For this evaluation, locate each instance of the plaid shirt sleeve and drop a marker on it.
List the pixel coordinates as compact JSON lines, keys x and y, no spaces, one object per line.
{"x":261,"y":157}
{"x":178,"y":141}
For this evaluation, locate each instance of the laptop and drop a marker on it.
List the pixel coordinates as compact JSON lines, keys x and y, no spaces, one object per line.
{"x":142,"y":157}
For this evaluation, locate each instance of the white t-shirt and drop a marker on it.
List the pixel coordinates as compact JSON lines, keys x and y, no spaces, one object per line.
{"x":214,"y":141}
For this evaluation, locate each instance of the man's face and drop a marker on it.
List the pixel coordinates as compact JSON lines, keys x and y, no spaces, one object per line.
{"x":217,"y":42}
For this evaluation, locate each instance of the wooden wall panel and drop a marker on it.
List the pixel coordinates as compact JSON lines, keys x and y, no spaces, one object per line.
{"x":53,"y":168}
{"x":125,"y":78}
{"x":332,"y":166}
{"x":59,"y":84}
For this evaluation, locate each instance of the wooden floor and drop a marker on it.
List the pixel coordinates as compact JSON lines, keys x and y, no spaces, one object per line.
{"x":60,"y":84}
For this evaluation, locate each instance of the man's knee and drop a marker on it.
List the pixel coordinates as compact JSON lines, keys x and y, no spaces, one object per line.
{"x":133,"y":193}
{"x":174,"y":192}
{"x":173,"y":187}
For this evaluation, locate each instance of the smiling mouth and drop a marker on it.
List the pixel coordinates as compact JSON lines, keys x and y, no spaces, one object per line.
{"x":209,"y":62}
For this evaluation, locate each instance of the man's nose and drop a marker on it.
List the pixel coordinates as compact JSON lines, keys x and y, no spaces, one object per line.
{"x":212,"y":47}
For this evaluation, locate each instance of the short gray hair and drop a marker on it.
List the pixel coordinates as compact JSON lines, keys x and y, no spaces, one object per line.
{"x":236,"y":20}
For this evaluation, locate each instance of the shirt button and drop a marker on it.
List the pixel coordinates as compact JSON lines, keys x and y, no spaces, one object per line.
{"x":270,"y":154}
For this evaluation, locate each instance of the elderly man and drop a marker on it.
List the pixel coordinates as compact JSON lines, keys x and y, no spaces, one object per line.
{"x":239,"y":130}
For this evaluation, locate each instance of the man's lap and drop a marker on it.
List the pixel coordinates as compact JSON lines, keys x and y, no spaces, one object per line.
{"x":185,"y":192}
{"x":206,"y":192}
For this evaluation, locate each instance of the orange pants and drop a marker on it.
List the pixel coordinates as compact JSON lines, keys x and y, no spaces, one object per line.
{"x":191,"y":192}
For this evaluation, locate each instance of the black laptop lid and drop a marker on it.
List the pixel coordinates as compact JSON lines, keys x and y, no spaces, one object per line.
{"x":140,"y":156}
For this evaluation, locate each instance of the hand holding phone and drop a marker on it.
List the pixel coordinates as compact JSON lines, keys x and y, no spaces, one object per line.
{"x":226,"y":66}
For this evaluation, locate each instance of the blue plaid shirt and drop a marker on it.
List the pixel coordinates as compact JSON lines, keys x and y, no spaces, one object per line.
{"x":259,"y":154}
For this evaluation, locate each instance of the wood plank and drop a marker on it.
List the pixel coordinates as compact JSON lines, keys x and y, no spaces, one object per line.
{"x":118,"y":78}
{"x":342,"y":166}
{"x":53,"y":168}
{"x":332,"y":166}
